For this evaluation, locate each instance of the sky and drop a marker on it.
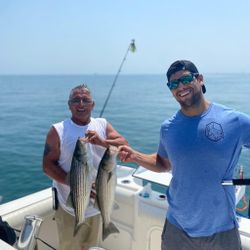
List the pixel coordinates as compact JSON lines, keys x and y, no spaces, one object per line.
{"x":91,"y":36}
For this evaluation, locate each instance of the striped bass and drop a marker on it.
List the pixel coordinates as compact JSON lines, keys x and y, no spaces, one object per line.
{"x":105,"y":189}
{"x":80,"y":182}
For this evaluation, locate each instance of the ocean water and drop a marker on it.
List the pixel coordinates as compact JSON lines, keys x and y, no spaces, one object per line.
{"x":137,"y":107}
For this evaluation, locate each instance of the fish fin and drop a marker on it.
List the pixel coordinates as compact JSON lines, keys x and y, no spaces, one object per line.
{"x":69,"y":202}
{"x":116,"y":206}
{"x":96,"y":203}
{"x":110,"y":175}
{"x":77,"y":227}
{"x":109,"y":229}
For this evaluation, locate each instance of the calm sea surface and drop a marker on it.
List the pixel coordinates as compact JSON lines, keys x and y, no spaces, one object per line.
{"x":138,"y":105}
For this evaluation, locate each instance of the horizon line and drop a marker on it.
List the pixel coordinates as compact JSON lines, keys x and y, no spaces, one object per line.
{"x":103,"y":74}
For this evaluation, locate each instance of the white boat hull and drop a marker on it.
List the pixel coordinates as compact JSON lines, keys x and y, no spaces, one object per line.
{"x":140,"y":220}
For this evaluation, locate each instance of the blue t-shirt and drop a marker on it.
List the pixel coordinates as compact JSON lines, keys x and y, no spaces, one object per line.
{"x":203,"y":151}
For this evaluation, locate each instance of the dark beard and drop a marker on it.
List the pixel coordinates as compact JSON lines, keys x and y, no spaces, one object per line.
{"x":192,"y":102}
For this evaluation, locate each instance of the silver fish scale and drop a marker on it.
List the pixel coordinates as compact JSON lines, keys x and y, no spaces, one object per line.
{"x":80,"y":183}
{"x":107,"y":183}
{"x":80,"y":190}
{"x":105,"y":190}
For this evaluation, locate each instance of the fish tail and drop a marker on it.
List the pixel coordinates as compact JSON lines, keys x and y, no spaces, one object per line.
{"x":76,"y":230}
{"x":77,"y":227}
{"x":109,"y":229}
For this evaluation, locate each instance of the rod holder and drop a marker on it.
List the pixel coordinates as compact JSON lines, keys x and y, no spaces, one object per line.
{"x":29,"y":233}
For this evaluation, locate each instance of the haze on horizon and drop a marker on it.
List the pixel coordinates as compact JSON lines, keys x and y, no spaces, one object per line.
{"x":90,"y":37}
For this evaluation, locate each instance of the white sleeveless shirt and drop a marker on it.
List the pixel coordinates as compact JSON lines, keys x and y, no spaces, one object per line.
{"x":68,"y":133}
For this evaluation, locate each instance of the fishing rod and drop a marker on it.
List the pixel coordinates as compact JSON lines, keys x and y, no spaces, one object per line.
{"x":238,"y":182}
{"x":131,"y":48}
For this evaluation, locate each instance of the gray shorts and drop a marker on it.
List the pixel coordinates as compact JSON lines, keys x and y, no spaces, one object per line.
{"x":175,"y":239}
{"x":87,"y":236}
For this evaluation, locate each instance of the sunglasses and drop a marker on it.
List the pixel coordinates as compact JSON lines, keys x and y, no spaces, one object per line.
{"x":185,"y":80}
{"x":79,"y":100}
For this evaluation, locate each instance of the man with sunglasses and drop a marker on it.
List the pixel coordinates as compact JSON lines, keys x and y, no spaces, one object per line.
{"x":201,"y":144}
{"x":58,"y":152}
